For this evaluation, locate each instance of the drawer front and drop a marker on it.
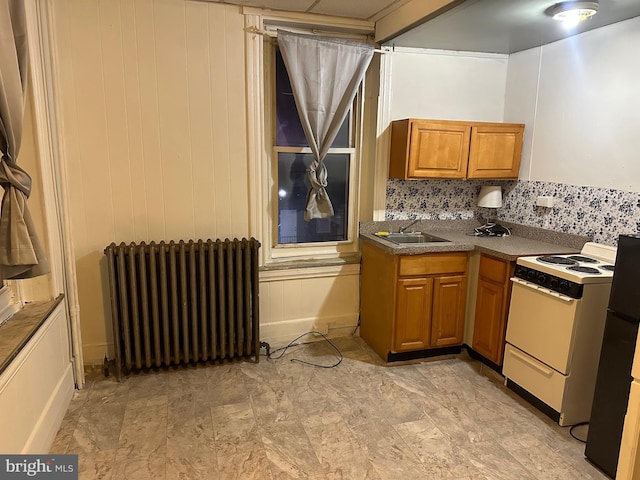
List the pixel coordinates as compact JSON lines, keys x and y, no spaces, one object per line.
{"x":535,"y":377}
{"x":542,"y":324}
{"x":432,"y":264}
{"x":494,"y":269}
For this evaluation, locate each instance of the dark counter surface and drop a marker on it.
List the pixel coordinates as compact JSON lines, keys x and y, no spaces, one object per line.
{"x":524,"y":240}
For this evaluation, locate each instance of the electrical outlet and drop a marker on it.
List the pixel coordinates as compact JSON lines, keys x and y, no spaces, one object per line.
{"x":544,"y":201}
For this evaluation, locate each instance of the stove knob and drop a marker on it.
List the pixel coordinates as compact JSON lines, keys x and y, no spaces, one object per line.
{"x":553,"y":283}
{"x":542,"y":278}
{"x":531,"y":274}
{"x":564,"y":286}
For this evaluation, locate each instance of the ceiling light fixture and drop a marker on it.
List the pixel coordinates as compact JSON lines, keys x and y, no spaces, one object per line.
{"x":572,"y":13}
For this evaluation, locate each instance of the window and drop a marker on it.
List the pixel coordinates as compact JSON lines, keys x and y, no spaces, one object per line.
{"x":292,"y":156}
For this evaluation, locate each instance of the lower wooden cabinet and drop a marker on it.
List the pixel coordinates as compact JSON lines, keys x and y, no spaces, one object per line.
{"x":492,"y":307}
{"x":412,"y":302}
{"x":413,"y":314}
{"x":447,"y":326}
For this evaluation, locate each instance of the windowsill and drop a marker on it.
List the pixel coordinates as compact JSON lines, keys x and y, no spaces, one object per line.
{"x":294,"y":263}
{"x":18,"y":330}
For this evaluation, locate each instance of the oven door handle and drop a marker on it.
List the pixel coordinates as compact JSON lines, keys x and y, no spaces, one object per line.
{"x":547,"y":372}
{"x":544,"y":290}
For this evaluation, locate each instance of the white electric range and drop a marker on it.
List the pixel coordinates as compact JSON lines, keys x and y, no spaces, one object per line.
{"x":554,"y":330}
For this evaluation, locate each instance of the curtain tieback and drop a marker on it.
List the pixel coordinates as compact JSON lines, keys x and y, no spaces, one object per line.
{"x":11,"y":175}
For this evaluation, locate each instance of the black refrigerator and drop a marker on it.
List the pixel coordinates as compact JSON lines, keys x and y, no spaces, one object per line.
{"x":613,"y":381}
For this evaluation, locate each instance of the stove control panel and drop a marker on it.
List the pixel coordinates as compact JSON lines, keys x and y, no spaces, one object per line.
{"x":557,"y":284}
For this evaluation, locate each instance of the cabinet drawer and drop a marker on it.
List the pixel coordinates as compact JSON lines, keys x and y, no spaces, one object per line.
{"x":432,"y":264}
{"x":494,"y":269}
{"x":535,"y":377}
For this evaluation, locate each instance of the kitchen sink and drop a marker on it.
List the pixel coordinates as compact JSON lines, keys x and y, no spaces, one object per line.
{"x":414,"y":237}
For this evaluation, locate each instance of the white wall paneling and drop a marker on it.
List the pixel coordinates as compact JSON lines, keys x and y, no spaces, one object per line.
{"x":586,"y":115}
{"x":36,"y":389}
{"x":521,"y":100}
{"x":318,"y":298}
{"x":421,"y":83}
{"x":155,"y":131}
{"x":152,"y":95}
{"x":447,"y":85}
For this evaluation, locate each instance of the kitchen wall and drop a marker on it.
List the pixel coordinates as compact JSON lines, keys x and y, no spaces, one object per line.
{"x":447,"y":85}
{"x":443,"y":85}
{"x":575,"y":97}
{"x":578,"y":97}
{"x":600,"y":213}
{"x":437,"y":199}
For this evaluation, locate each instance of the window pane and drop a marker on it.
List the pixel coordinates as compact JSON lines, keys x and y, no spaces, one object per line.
{"x":289,"y":132}
{"x":292,"y":199}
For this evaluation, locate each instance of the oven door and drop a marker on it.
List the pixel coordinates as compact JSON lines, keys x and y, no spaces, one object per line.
{"x":541,"y":323}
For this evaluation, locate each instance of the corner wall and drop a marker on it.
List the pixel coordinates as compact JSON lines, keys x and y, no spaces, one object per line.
{"x":578,"y":98}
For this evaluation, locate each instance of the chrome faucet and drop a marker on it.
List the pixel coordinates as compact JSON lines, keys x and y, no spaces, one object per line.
{"x":402,"y":229}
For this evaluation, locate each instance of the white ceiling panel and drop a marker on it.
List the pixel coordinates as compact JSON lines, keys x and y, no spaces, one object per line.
{"x":362,"y":9}
{"x":287,"y":5}
{"x":370,"y":10}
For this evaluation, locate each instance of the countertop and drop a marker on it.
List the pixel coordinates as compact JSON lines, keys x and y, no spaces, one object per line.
{"x":524,"y":240}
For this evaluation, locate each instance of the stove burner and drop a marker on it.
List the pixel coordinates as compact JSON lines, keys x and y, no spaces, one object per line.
{"x":610,"y":268}
{"x":580,"y":269}
{"x":583,"y":259}
{"x":557,"y":260}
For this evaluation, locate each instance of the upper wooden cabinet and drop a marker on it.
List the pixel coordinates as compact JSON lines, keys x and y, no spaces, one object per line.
{"x":453,"y":149}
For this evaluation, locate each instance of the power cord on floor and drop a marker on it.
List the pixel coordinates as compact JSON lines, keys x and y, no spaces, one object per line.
{"x":578,"y":425}
{"x":356,"y":327}
{"x":293,"y":343}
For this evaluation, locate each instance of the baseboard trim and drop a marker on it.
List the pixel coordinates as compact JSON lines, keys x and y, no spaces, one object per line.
{"x":281,"y":333}
{"x":93,"y":353}
{"x":417,"y":354}
{"x":533,"y":400}
{"x":477,"y":356}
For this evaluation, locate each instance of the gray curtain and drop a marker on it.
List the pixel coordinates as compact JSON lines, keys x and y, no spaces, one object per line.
{"x":325,"y":74}
{"x":21,"y":254}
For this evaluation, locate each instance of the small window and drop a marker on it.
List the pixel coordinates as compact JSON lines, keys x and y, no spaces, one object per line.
{"x":292,"y":199}
{"x":293,"y":157}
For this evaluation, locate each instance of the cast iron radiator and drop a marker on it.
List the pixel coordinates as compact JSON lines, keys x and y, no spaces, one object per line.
{"x":184,"y":302}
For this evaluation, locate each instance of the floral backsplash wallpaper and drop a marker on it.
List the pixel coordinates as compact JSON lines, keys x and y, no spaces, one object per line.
{"x":599,"y":213}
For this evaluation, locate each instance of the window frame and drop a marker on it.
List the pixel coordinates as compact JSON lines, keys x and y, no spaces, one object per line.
{"x":274,"y":252}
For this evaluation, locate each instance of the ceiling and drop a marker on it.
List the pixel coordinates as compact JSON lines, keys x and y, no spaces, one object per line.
{"x":505,"y":26}
{"x":370,"y":10}
{"x":492,"y":26}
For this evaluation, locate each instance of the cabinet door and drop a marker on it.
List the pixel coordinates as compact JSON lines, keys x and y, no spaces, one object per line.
{"x":413,"y":314}
{"x":495,"y":151}
{"x":492,"y":306}
{"x":488,"y":329}
{"x":447,"y":323}
{"x":438,"y":150}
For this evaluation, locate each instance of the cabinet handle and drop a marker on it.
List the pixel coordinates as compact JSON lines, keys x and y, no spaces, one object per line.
{"x":547,"y":372}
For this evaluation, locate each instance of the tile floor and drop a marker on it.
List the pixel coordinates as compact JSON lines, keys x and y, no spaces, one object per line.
{"x":441,"y":419}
